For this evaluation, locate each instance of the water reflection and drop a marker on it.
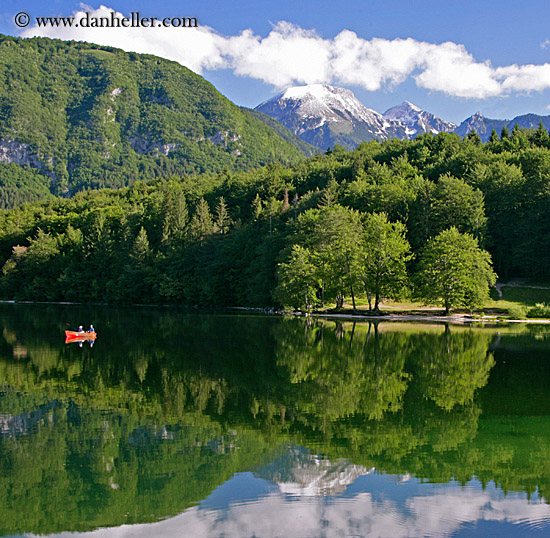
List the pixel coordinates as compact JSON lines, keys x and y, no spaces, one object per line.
{"x":279,"y":418}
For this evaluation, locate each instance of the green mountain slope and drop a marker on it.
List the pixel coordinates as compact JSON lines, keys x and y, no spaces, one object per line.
{"x":305,"y":147}
{"x":85,"y":116}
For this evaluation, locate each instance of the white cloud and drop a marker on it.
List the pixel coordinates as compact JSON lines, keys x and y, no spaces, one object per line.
{"x":524,"y":78}
{"x":291,"y":55}
{"x":449,"y":68}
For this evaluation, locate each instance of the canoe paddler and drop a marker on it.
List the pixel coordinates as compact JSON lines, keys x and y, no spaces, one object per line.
{"x":80,"y":329}
{"x":91,"y":329}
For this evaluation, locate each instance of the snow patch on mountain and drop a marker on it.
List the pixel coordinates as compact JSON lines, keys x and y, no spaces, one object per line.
{"x":325,"y":103}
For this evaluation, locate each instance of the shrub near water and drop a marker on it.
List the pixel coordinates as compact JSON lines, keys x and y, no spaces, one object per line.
{"x":540,"y":310}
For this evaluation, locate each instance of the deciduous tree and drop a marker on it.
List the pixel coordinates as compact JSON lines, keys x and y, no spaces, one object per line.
{"x":455,"y":271}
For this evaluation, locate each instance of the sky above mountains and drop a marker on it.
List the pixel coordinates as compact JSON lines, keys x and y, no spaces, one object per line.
{"x":451,"y":58}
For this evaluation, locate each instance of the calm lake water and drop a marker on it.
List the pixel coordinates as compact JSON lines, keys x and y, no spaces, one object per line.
{"x":179,"y":425}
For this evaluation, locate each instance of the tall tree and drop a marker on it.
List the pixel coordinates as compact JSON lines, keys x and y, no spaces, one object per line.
{"x":454,"y":271}
{"x":223,"y":220}
{"x":176,"y":214}
{"x":333,"y":235}
{"x":297,"y":280}
{"x":386,"y":253}
{"x":202,"y":224}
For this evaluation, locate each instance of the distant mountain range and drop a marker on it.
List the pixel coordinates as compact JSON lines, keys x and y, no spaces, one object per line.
{"x":326,"y":115}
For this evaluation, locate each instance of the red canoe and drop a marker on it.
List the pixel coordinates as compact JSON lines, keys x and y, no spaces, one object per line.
{"x":74,"y":336}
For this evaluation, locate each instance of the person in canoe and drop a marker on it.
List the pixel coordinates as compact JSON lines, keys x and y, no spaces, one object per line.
{"x":91,"y":329}
{"x":80,"y":329}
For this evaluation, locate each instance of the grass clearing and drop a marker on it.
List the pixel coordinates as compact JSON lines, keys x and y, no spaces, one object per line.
{"x":519,"y":301}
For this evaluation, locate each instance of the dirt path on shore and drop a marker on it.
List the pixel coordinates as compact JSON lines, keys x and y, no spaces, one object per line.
{"x":516,"y":283}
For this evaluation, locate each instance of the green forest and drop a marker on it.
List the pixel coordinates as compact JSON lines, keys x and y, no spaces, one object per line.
{"x":385,"y":220}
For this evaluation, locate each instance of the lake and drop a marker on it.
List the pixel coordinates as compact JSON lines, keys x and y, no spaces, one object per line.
{"x":206,"y":425}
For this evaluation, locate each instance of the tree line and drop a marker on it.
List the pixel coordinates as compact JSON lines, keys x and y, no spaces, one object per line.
{"x":384,"y":220}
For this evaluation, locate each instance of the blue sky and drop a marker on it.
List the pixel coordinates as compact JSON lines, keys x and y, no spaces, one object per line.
{"x":449,"y":57}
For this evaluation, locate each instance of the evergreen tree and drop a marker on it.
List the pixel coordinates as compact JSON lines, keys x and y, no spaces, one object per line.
{"x":494,"y":137}
{"x":256,"y":207}
{"x":141,"y":251}
{"x":202,"y":224}
{"x":540,"y":137}
{"x":176,"y":215}
{"x":473,"y":137}
{"x":223,"y":220}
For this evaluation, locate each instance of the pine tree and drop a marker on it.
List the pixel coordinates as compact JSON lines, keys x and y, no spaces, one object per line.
{"x":223,"y":220}
{"x":141,"y":250}
{"x":176,"y":215}
{"x":494,"y":137}
{"x":330,"y":194}
{"x":540,"y":136}
{"x":202,"y":224}
{"x":474,"y":137}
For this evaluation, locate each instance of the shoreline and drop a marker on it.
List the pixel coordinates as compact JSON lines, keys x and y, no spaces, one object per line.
{"x":462,"y":319}
{"x":458,"y":318}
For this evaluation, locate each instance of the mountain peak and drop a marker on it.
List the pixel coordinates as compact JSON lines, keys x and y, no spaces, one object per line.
{"x":405,"y":105}
{"x":417,"y":120}
{"x":323,"y":101}
{"x":326,"y":115}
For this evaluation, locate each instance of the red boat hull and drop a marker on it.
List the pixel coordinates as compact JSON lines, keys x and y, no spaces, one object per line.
{"x":74,"y":336}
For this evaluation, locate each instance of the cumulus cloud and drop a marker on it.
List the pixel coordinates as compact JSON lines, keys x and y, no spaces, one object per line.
{"x":291,"y":55}
{"x":524,"y":78}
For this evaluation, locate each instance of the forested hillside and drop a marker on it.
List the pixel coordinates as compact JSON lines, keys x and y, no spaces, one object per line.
{"x":77,"y":116}
{"x":265,"y":236}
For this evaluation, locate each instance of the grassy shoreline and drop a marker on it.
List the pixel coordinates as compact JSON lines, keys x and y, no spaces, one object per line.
{"x":511,"y":302}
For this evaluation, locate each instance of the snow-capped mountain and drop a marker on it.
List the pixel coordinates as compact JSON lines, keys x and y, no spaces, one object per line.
{"x":324,"y":115}
{"x":416,"y":120}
